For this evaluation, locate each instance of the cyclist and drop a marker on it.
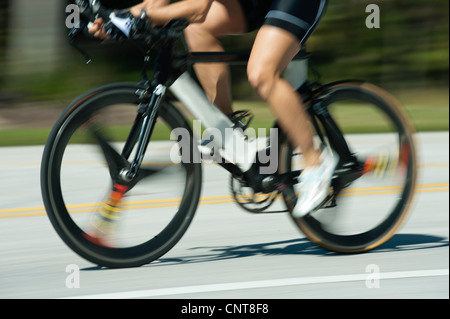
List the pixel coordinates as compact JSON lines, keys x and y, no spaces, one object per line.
{"x":284,"y":26}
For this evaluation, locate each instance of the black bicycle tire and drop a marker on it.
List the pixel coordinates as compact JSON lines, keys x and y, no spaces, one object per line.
{"x":58,"y":214}
{"x":369,"y":240}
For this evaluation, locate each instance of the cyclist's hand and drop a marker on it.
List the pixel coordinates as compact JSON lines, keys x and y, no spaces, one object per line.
{"x":97,"y":29}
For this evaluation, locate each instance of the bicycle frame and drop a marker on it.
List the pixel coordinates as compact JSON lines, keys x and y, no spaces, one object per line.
{"x":172,"y":73}
{"x":186,"y":89}
{"x":178,"y":80}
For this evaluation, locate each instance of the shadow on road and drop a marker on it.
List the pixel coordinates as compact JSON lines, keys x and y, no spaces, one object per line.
{"x":298,"y":246}
{"x":301,"y":246}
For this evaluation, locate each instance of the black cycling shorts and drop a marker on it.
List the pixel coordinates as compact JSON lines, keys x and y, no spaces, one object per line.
{"x":299,"y":17}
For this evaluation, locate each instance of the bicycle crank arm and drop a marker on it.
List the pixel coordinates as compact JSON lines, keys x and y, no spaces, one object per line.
{"x":277,"y":182}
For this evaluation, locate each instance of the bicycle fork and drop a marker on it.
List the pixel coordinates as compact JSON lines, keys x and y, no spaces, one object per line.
{"x":146,"y":123}
{"x":122,"y":171}
{"x":125,"y":174}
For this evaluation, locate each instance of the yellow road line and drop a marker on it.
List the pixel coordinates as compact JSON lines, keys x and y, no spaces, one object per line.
{"x":212,"y":200}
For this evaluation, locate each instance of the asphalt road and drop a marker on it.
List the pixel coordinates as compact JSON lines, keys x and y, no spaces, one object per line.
{"x":228,"y":253}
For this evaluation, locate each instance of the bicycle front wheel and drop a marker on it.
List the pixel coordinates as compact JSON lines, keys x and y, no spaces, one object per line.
{"x":145,"y":221}
{"x":376,"y":176}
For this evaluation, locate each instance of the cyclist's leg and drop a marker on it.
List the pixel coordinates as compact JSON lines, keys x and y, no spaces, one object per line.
{"x":273,"y":50}
{"x":225,"y":17}
{"x":288,"y":24}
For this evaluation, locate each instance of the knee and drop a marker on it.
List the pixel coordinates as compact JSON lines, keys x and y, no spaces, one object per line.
{"x":262,"y":79}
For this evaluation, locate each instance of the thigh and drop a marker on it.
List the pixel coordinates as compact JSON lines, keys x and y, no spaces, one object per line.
{"x":300,"y":17}
{"x":225,"y":17}
{"x":273,"y":50}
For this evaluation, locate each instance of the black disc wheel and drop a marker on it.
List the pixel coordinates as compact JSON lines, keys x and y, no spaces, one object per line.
{"x":107,"y":222}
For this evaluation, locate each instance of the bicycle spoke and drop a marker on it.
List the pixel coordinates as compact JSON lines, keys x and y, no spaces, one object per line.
{"x":116,"y":162}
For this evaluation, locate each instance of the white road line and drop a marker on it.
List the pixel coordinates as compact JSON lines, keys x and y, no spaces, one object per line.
{"x":263,"y":284}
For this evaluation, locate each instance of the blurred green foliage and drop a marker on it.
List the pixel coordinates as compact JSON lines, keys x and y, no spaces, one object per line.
{"x":3,"y":34}
{"x":409,"y":50}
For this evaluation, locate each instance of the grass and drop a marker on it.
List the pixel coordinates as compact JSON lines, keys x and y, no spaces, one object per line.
{"x":15,"y":137}
{"x":428,"y":110}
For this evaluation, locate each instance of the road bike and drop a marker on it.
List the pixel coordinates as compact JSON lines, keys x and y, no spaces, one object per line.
{"x":121,"y":173}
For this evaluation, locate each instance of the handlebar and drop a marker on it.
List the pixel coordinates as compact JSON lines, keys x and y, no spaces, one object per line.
{"x":122,"y":25}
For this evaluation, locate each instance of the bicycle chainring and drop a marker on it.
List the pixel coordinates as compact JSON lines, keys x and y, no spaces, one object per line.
{"x":250,"y":201}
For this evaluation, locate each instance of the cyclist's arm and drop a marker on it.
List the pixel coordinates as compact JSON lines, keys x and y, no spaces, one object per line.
{"x":192,"y":10}
{"x":150,"y":4}
{"x":161,"y":12}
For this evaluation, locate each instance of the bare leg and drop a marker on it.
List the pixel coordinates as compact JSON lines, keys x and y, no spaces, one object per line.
{"x":225,"y":17}
{"x":273,"y":50}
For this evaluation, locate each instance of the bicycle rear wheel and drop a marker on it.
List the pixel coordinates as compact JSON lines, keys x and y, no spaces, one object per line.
{"x":376,"y":183}
{"x":78,"y":189}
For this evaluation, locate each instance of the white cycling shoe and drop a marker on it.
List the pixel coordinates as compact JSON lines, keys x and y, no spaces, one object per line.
{"x":315,"y":184}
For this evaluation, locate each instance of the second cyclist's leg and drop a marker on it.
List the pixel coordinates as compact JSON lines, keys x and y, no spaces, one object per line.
{"x":225,"y":17}
{"x":274,"y":48}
